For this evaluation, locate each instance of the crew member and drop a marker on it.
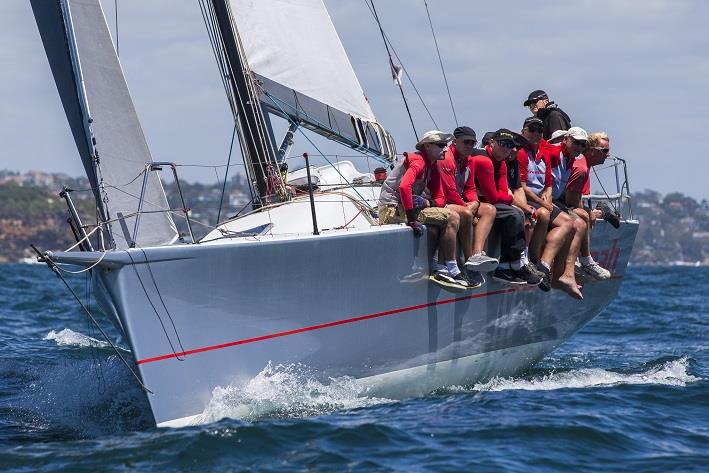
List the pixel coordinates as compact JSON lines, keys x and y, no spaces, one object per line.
{"x":458,"y":180}
{"x":553,"y":117}
{"x":412,"y":194}
{"x":554,"y":229}
{"x":492,"y":186}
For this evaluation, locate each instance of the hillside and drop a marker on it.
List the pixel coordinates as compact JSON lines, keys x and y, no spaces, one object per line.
{"x":674,"y":229}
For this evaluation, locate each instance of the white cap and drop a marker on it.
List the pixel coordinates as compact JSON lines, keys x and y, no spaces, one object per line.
{"x":557,"y":136}
{"x":577,"y":133}
{"x":434,"y":136}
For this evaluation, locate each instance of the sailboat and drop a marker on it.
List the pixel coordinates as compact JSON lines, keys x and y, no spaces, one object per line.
{"x":308,"y":276}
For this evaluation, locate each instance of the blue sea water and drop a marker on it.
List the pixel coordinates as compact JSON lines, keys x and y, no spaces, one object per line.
{"x":630,"y":392}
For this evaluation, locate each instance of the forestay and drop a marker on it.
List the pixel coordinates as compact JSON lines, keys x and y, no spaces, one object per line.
{"x":103,"y":119}
{"x":304,"y":72}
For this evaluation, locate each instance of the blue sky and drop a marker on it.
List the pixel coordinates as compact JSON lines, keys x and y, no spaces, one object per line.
{"x":636,"y":69}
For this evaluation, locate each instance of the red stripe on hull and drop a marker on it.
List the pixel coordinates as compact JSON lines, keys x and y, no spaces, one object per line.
{"x":325,"y":325}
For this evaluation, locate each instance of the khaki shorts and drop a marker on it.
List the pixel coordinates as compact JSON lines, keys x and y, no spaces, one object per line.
{"x":435,"y":216}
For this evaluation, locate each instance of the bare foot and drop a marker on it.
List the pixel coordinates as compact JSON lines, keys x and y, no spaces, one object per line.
{"x":569,"y":286}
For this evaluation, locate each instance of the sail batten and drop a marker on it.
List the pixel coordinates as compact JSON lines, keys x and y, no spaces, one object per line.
{"x":103,"y":120}
{"x":304,"y":73}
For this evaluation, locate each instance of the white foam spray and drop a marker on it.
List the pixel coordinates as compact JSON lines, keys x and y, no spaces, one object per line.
{"x":286,"y":391}
{"x":68,"y":337}
{"x":671,"y":373}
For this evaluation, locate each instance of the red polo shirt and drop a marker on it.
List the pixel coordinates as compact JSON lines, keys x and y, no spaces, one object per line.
{"x":542,"y":155}
{"x":417,"y":168}
{"x":579,"y":179}
{"x":491,"y":179}
{"x":447,"y":168}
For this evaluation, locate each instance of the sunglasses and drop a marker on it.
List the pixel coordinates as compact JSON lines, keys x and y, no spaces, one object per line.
{"x":581,"y":143}
{"x":602,"y":150}
{"x":506,"y":144}
{"x":470,"y":142}
{"x":535,"y":129}
{"x":440,"y":145}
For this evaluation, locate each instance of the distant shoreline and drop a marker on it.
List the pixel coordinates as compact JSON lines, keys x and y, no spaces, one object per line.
{"x":673,"y":232}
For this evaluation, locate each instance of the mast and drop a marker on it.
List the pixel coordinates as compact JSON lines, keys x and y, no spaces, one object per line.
{"x":257,"y":147}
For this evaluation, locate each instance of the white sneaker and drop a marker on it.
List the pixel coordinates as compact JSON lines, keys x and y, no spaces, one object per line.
{"x":481,"y":263}
{"x":453,"y":283}
{"x":596,"y":271}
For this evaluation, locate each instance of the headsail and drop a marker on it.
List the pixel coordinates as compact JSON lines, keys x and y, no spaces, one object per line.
{"x":294,"y":51}
{"x":103,"y":119}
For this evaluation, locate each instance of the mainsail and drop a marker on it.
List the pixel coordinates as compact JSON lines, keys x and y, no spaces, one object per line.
{"x":103,"y":120}
{"x":304,"y":73}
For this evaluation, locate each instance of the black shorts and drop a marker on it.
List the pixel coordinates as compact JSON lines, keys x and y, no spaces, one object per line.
{"x":555,"y":211}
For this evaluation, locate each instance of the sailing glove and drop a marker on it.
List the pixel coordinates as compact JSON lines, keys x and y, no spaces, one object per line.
{"x":419,"y":202}
{"x":413,"y":223}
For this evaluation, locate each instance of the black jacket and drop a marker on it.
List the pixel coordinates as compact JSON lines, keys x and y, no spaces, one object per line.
{"x":554,"y":119}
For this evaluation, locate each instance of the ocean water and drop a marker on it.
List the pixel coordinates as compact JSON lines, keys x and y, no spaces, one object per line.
{"x":630,"y":392}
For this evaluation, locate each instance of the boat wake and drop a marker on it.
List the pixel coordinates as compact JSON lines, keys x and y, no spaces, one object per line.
{"x":284,"y":392}
{"x":68,"y":337}
{"x":670,"y":373}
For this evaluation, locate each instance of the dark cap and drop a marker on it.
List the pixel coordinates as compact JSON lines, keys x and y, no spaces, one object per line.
{"x":464,"y":131}
{"x":487,"y":138}
{"x":503,"y":134}
{"x":534,"y":96}
{"x":519,"y":140}
{"x":532,"y":121}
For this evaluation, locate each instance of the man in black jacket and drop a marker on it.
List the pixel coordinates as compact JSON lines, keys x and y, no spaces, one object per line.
{"x":553,"y":117}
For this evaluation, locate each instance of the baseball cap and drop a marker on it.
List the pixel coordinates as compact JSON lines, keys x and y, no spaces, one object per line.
{"x":465,"y":132}
{"x":534,"y":96}
{"x":503,"y":134}
{"x":532,"y":121}
{"x":577,"y":133}
{"x":557,"y":136}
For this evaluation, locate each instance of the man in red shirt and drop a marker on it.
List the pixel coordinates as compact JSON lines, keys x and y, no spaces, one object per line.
{"x":412,"y":194}
{"x":578,"y":185}
{"x":458,"y":181}
{"x":492,"y":186}
{"x":564,"y":158}
{"x":535,"y":174}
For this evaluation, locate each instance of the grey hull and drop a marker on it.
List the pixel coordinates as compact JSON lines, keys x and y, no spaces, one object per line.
{"x":349,"y":303}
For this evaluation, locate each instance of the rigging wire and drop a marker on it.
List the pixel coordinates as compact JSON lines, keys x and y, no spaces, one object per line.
{"x":115,"y":9}
{"x":155,"y":310}
{"x":440,"y":61}
{"x":608,"y":197}
{"x":406,"y":72}
{"x":226,"y":173}
{"x":52,"y":265}
{"x":394,"y":72}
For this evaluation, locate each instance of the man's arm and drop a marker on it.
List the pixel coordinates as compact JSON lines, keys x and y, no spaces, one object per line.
{"x":407,"y":183}
{"x":573,"y":198}
{"x":532,"y":197}
{"x":574,"y":186}
{"x":485,"y":174}
{"x":520,"y":200}
{"x":502,"y":194}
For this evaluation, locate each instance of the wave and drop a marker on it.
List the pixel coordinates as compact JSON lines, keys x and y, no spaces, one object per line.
{"x":285,"y":391}
{"x":68,"y":337}
{"x":670,"y":373}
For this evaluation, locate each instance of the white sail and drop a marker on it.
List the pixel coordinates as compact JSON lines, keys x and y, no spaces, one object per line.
{"x":294,"y":50}
{"x":104,"y":121}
